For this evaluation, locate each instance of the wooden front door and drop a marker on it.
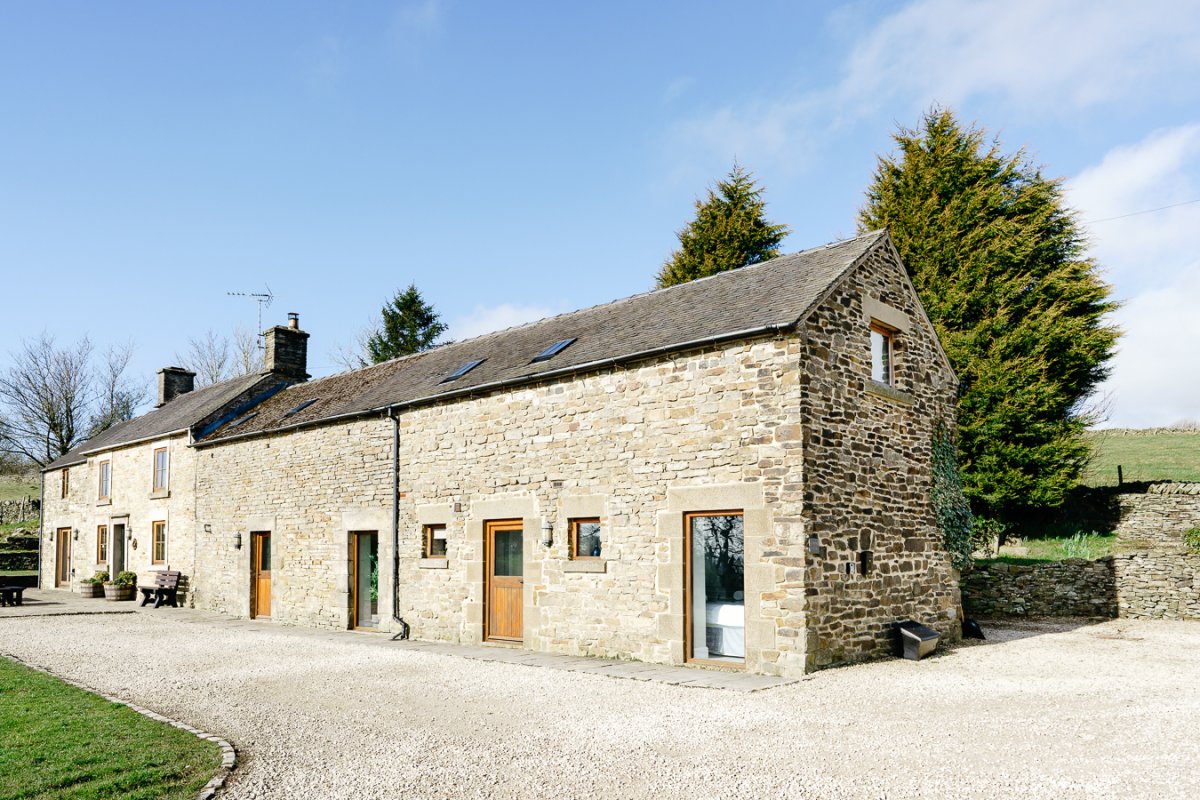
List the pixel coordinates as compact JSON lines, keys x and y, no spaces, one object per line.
{"x":260,"y":582}
{"x":505,"y":571}
{"x":62,"y":564}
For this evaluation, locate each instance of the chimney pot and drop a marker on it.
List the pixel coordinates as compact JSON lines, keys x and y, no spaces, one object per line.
{"x":293,"y":320}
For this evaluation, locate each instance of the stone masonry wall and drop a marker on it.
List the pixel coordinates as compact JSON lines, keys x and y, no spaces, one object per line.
{"x":1157,"y":575}
{"x":1071,"y":588}
{"x":132,"y":502}
{"x":868,"y":461}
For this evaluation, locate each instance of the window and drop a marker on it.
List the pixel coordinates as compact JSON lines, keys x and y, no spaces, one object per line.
{"x":66,"y":482}
{"x":435,"y":541}
{"x":463,"y":370}
{"x":301,"y":407}
{"x":158,"y":547}
{"x":881,"y":355}
{"x":101,"y":544}
{"x":105,"y":480}
{"x":553,"y":350}
{"x":585,"y":538}
{"x":160,"y":469}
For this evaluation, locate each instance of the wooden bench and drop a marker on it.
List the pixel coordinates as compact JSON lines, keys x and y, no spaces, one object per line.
{"x":164,"y":591}
{"x":11,"y":595}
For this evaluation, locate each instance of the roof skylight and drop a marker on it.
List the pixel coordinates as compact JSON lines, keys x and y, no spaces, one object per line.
{"x":463,"y":370}
{"x":553,"y":350}
{"x":239,"y":422}
{"x":301,"y":407}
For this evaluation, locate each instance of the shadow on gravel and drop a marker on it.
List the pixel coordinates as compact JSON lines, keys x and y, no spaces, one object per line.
{"x":1010,"y":629}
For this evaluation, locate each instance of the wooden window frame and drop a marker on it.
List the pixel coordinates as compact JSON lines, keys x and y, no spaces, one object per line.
{"x":66,"y":482}
{"x":157,"y":557}
{"x":573,"y":538}
{"x":105,"y":487}
{"x":155,"y":485}
{"x":889,"y":339}
{"x":101,"y":544}
{"x":427,"y":537}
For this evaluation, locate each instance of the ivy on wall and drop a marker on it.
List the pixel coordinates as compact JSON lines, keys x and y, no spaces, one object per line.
{"x":950,"y":505}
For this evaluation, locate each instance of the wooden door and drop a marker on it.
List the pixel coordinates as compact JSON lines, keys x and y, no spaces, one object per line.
{"x":505,"y":571}
{"x":62,"y":563}
{"x":260,"y":584}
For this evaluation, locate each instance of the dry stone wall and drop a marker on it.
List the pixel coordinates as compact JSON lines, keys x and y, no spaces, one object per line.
{"x":1158,"y":576}
{"x":1071,"y":588}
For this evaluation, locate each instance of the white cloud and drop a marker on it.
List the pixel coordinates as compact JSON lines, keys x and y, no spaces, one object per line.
{"x":1155,"y":381}
{"x":1154,"y":264}
{"x":1054,"y":56}
{"x":485,"y":319}
{"x":1033,"y":57}
{"x":1150,"y":249}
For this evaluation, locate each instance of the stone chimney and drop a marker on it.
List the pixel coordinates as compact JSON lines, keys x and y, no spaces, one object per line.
{"x":287,"y":350}
{"x":172,"y":382}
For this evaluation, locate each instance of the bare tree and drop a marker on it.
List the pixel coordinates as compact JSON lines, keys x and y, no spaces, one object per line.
{"x":217,"y":357}
{"x":48,"y":398}
{"x":358,"y":354}
{"x":118,"y":397}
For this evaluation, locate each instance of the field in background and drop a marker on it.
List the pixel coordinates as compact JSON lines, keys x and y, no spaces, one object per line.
{"x":14,"y":487}
{"x":1154,"y":454}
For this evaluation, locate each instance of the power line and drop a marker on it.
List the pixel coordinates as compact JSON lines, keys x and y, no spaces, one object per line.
{"x":1138,"y":213}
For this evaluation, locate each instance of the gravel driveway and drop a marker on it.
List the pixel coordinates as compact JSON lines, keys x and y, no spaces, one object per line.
{"x":1050,"y":711}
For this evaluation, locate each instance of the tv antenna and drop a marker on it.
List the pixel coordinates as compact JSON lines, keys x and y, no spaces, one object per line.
{"x":264,"y":300}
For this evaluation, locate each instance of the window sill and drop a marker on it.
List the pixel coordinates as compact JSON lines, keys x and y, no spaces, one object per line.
{"x":586,"y":565}
{"x":433,"y":563}
{"x":160,"y":494}
{"x":104,"y":501}
{"x":890,"y":392}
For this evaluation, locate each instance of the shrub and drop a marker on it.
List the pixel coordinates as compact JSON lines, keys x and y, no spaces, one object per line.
{"x":1192,"y":539}
{"x":126,"y":578}
{"x":100,"y":577}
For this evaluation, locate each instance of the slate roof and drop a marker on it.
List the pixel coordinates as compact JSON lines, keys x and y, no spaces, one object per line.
{"x":179,"y":414}
{"x":773,"y":295}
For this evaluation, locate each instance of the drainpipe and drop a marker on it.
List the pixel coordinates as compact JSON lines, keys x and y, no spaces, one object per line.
{"x":403,"y":634}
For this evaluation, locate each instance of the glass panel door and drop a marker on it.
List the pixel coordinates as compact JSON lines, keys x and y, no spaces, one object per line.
{"x":716,"y":585}
{"x":366,"y":580}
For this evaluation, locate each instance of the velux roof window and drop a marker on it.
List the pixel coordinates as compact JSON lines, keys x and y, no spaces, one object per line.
{"x":300,"y":407}
{"x":553,"y":350}
{"x":463,"y":370}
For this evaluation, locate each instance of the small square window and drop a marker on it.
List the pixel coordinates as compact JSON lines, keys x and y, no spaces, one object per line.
{"x":435,"y":541}
{"x":101,"y":544}
{"x":160,"y":469}
{"x":158,"y":552}
{"x":881,"y":355}
{"x":585,"y":538}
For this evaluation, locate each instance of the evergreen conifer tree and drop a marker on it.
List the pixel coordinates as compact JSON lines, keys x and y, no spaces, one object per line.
{"x":729,"y":231}
{"x":1002,"y":269}
{"x":408,"y":325}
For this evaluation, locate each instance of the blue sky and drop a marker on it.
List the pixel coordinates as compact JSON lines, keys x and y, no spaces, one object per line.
{"x":522,"y":159}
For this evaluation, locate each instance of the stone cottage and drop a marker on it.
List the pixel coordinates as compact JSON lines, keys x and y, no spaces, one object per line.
{"x":731,"y":472}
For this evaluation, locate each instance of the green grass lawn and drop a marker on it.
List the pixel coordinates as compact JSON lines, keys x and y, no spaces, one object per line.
{"x":59,"y":742}
{"x":14,"y":487}
{"x":1144,"y":456}
{"x":1058,"y":548}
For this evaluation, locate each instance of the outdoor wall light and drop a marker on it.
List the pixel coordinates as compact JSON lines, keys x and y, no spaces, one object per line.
{"x":237,"y":541}
{"x":547,"y":533}
{"x":75,"y":534}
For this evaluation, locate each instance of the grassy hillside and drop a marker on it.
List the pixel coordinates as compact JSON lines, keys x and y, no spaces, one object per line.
{"x":14,"y":487}
{"x":1144,"y":455}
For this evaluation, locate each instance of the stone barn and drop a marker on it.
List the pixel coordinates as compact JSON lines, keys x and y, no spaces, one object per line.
{"x":733,"y":472}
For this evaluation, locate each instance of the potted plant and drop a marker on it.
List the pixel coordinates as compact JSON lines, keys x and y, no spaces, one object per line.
{"x":93,"y":586}
{"x":121,"y":587}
